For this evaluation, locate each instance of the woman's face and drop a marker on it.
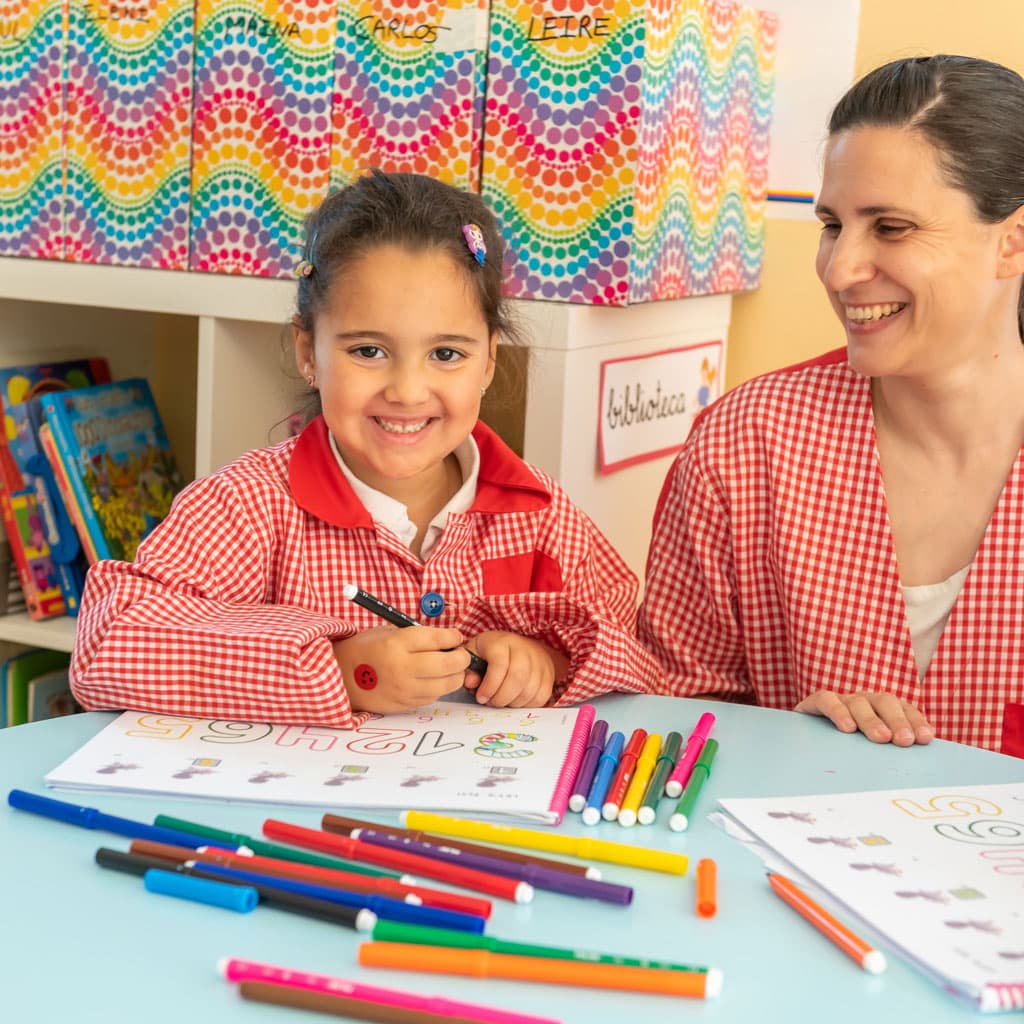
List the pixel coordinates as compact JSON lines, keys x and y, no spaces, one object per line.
{"x":909,"y":268}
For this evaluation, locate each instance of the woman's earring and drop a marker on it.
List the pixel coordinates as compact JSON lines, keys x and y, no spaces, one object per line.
{"x":483,"y":391}
{"x":311,"y":380}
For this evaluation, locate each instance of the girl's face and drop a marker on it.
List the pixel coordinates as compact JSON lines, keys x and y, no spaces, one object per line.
{"x":910,"y":269}
{"x":401,"y":355}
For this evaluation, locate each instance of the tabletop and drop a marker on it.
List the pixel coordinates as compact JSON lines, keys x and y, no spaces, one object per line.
{"x":83,"y":944}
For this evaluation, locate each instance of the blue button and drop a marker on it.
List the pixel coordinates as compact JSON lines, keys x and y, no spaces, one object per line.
{"x":431,"y":604}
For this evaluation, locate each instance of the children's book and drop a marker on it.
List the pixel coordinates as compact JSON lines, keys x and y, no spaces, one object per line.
{"x":43,"y":543}
{"x":937,"y":873}
{"x":461,"y":758}
{"x":18,"y":673}
{"x":115,"y":454}
{"x":49,"y":696}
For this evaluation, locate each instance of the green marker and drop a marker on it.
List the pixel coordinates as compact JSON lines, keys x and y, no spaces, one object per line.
{"x":701,"y":771}
{"x":264,"y":849}
{"x":662,"y":770}
{"x":396,"y":931}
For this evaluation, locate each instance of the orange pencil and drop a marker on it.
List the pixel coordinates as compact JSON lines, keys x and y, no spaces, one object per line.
{"x":872,"y":960}
{"x":707,"y":887}
{"x":479,"y":963}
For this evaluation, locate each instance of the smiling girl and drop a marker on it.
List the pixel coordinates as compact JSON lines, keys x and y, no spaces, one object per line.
{"x":844,"y":538}
{"x":234,"y":606}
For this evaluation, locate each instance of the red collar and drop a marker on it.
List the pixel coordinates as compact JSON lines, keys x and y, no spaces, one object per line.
{"x":506,"y":483}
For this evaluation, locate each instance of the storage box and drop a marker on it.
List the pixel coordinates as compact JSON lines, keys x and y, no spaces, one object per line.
{"x":626,"y":146}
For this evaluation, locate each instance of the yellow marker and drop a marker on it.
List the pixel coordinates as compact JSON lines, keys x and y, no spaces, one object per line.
{"x":641,"y":776}
{"x":531,"y":839}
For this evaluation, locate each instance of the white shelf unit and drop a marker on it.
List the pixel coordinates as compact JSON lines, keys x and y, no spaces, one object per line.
{"x":217,"y":353}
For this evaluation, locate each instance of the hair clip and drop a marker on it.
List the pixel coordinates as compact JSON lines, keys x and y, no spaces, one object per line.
{"x":304,"y":269}
{"x":475,"y":241}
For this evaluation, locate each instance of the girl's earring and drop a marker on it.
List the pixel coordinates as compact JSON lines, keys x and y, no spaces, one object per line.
{"x":311,"y":380}
{"x":483,"y":391}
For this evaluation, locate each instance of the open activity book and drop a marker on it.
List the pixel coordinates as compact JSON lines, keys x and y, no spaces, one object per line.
{"x":938,"y":873}
{"x":460,"y":758}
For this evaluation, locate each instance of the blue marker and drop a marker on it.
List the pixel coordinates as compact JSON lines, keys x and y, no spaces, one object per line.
{"x":385,"y":908}
{"x":90,"y":817}
{"x":242,"y":898}
{"x":588,"y":765}
{"x":606,"y":765}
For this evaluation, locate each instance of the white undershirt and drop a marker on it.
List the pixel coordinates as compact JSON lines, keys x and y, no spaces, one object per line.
{"x":394,"y":516}
{"x":928,"y":609}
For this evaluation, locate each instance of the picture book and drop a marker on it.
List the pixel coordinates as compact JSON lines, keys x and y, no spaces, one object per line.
{"x":938,"y":873}
{"x":49,"y":696}
{"x":18,"y":672}
{"x":460,"y":758}
{"x":44,"y":544}
{"x":117,"y":458}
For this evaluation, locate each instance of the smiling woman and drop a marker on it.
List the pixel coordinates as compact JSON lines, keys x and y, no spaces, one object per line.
{"x":843,"y":537}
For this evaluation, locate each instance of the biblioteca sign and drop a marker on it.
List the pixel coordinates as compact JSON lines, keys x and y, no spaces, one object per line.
{"x":649,"y":402}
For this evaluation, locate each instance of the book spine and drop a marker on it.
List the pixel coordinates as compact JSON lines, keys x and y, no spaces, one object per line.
{"x":63,"y":440}
{"x":571,"y":765}
{"x":67,"y":493}
{"x":997,"y":996}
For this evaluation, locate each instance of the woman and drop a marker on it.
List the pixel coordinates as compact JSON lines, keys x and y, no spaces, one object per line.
{"x":843,"y":537}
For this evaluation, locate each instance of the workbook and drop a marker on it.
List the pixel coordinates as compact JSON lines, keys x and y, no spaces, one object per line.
{"x":937,"y":873}
{"x":458,"y":758}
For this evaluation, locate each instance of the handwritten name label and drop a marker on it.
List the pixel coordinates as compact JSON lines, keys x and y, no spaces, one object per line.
{"x":568,"y":26}
{"x":391,"y":29}
{"x":648,"y":403}
{"x":10,"y":28}
{"x":254,"y":25}
{"x":117,"y":12}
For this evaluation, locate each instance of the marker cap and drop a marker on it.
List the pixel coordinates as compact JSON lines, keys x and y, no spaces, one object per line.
{"x":240,"y":898}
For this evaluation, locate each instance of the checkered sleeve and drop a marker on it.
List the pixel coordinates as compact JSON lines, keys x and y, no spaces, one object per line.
{"x":689,"y":618}
{"x":194,"y":627}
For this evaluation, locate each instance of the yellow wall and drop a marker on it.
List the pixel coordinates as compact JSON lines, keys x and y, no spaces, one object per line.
{"x":788,"y":318}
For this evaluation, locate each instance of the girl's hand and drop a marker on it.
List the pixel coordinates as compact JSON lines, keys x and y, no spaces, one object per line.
{"x":882,"y":717}
{"x":521,"y":672}
{"x":387,"y":669}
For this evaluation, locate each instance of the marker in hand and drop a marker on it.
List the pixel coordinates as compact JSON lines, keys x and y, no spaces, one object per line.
{"x":391,"y":614}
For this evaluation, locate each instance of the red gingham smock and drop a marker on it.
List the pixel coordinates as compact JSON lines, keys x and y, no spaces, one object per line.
{"x":772,"y":572}
{"x":231,"y":604}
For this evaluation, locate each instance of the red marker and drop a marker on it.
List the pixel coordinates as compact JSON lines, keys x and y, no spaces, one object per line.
{"x":623,"y":775}
{"x":355,"y":849}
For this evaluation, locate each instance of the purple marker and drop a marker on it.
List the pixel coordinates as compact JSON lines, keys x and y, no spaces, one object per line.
{"x":694,"y":744}
{"x":539,"y":877}
{"x":588,"y":765}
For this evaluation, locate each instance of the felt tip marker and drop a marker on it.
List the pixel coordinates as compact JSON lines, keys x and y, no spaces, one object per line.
{"x":662,"y":770}
{"x":694,"y":742}
{"x":606,"y":765}
{"x":623,"y":774}
{"x":630,"y":806}
{"x":872,"y":960}
{"x":680,"y":820}
{"x":588,"y":765}
{"x":389,"y":613}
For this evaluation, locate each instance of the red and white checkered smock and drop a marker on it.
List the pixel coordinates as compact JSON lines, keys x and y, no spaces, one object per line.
{"x":231,"y":604}
{"x":772,"y":572}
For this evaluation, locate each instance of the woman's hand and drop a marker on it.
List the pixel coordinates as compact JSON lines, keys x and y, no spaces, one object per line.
{"x":521,"y":672}
{"x":882,"y":717}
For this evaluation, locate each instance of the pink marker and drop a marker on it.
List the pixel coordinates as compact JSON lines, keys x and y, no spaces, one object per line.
{"x":677,"y":780}
{"x":249,"y":970}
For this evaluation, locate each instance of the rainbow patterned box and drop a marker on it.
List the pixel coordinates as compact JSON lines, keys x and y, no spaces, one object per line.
{"x":409,"y":86}
{"x":261,"y":144}
{"x":127,"y":132}
{"x":31,"y":117}
{"x":626,"y":146}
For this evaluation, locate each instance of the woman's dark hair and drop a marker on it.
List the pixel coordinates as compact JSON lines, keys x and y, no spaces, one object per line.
{"x":970,"y":110}
{"x":412,"y":211}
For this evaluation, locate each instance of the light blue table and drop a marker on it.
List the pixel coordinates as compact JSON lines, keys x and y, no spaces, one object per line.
{"x":81,"y":944}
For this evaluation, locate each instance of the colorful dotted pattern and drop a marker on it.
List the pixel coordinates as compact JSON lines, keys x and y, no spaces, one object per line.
{"x":404,"y":98}
{"x":31,"y":120}
{"x":127,"y":128}
{"x":595,"y":134}
{"x":261,"y":131}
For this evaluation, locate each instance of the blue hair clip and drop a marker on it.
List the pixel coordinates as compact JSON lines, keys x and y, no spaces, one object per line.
{"x":475,"y":240}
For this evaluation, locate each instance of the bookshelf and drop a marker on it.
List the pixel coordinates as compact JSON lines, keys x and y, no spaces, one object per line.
{"x":217,"y":354}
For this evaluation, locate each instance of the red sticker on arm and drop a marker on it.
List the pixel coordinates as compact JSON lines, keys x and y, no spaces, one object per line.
{"x":366,"y":678}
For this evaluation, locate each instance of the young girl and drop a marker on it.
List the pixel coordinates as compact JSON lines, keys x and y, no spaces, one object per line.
{"x":235,"y":606}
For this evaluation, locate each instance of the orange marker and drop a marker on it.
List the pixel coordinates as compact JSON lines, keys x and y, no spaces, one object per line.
{"x":707,"y":886}
{"x":479,"y":963}
{"x":872,"y":960}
